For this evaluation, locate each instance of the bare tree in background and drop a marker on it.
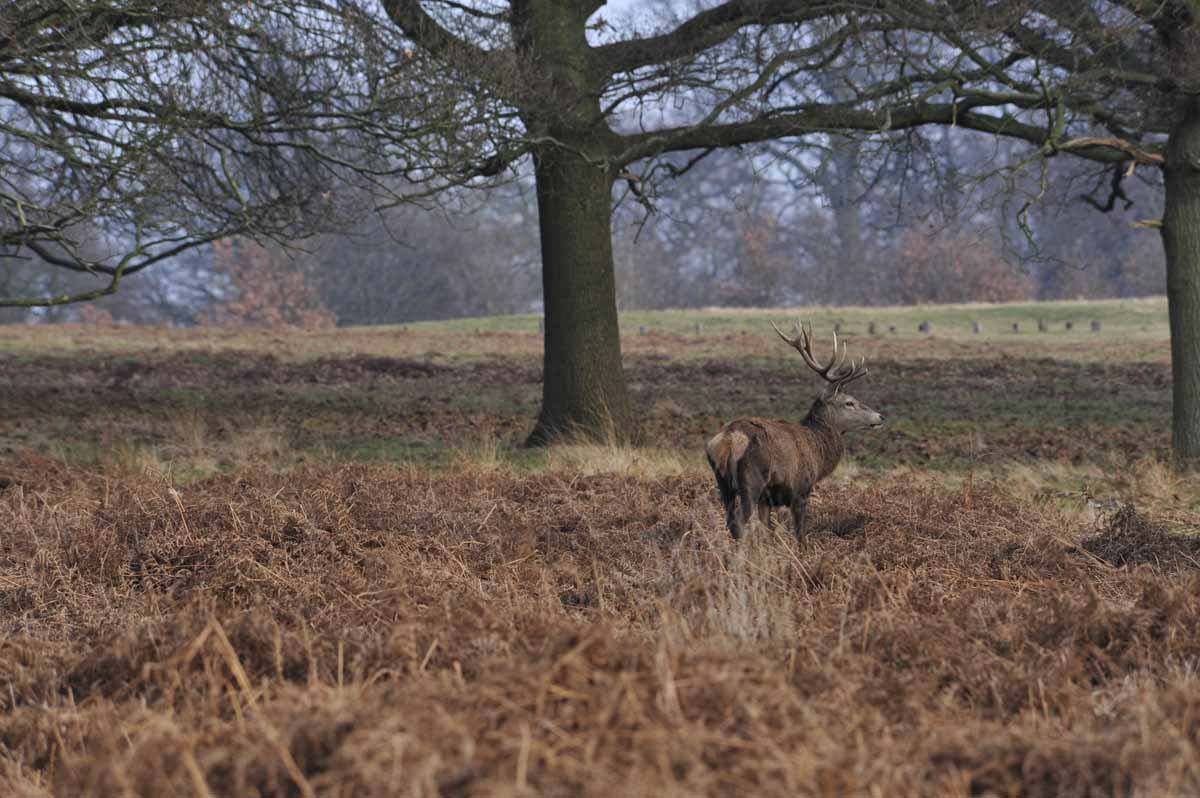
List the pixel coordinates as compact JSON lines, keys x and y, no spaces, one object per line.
{"x":408,"y":263}
{"x":960,"y":267}
{"x":721,"y":235}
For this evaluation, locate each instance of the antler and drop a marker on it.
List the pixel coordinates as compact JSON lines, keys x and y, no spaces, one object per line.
{"x":836,"y":372}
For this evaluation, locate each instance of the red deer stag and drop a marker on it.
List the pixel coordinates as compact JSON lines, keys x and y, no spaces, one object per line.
{"x":767,"y":463}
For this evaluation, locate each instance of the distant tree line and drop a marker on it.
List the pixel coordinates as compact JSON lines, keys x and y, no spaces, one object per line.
{"x":750,"y":231}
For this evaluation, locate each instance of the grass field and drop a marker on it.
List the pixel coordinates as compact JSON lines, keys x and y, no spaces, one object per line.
{"x":319,"y":563}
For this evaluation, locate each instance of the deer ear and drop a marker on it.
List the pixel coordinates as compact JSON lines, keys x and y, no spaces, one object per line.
{"x":831,"y":391}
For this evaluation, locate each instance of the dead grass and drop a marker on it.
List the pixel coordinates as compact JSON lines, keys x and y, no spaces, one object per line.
{"x":614,"y":458}
{"x":996,"y":598}
{"x":182,"y":402}
{"x":192,"y":446}
{"x":362,"y":631}
{"x":1091,"y":490}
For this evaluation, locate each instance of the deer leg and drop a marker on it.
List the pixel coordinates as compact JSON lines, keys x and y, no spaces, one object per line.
{"x":729,"y":498}
{"x":750,"y":487}
{"x":799,"y":506}
{"x":764,"y":514}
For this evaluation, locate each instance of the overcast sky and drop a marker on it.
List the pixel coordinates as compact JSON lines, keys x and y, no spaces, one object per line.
{"x":626,"y":14}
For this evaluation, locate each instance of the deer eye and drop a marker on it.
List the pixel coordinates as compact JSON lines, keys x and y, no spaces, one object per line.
{"x":849,"y":404}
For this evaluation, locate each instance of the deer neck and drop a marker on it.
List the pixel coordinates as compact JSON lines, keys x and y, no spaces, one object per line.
{"x":828,"y":440}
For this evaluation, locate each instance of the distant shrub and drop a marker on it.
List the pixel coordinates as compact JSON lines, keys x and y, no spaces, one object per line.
{"x":763,"y":265}
{"x":955,"y":268}
{"x":95,"y":316}
{"x":266,"y":289}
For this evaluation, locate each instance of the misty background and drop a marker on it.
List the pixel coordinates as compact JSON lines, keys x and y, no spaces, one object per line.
{"x":933,"y":215}
{"x":947,"y":218}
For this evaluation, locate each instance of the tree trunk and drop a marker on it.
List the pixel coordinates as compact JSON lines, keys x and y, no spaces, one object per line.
{"x":1181,"y":241}
{"x":851,"y":284}
{"x":583,"y":389}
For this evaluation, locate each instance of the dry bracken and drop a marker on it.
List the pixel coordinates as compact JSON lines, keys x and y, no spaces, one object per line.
{"x":373,"y":631}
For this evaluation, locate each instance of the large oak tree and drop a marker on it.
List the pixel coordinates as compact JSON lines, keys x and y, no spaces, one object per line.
{"x":1113,"y":82}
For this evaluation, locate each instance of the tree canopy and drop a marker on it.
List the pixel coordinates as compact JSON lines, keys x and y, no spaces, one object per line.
{"x":131,"y":131}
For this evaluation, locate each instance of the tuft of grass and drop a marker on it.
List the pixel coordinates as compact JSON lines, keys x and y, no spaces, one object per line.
{"x":483,"y":449}
{"x":188,"y":432}
{"x":132,"y":459}
{"x":256,"y":445}
{"x":1155,"y":480}
{"x":731,"y":598}
{"x":615,"y":458}
{"x":1093,"y":488}
{"x":190,"y":449}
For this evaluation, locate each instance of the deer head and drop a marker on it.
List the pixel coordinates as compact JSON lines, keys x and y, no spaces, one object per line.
{"x":834,"y":407}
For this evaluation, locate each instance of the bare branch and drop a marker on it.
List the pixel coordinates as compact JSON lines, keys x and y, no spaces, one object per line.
{"x":707,"y":29}
{"x":838,"y":118}
{"x":425,"y":32}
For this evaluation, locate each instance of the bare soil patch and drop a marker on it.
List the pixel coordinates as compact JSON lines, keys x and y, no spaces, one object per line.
{"x":986,"y":405}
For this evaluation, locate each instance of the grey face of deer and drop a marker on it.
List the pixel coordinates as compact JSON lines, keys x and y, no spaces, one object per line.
{"x":845,"y":413}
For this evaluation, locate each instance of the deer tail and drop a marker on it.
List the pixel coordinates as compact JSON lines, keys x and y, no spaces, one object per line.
{"x":725,"y":450}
